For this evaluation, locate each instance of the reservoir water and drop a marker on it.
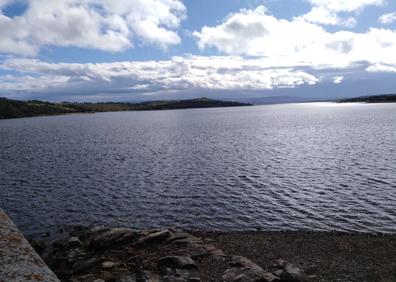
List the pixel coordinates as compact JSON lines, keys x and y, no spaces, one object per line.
{"x":319,"y":166}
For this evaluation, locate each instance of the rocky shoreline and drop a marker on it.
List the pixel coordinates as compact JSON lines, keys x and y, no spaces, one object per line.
{"x":100,"y":254}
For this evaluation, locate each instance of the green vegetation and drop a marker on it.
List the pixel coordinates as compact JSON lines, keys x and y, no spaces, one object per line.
{"x":15,"y":109}
{"x":371,"y":99}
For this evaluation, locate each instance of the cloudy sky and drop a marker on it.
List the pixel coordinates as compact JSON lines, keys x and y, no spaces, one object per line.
{"x":97,"y":50}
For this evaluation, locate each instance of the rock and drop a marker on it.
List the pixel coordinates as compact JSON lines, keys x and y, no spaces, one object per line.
{"x":75,"y":255}
{"x":312,"y":269}
{"x":99,"y":280}
{"x":291,"y":273}
{"x":194,"y":251}
{"x":108,"y":276}
{"x":177,"y":236}
{"x":148,"y":276}
{"x":61,"y":243}
{"x":93,"y":231}
{"x":45,"y":235}
{"x":109,"y":265}
{"x":127,"y":278}
{"x":177,"y":262}
{"x":280,"y":264}
{"x":243,"y":270}
{"x":278,"y":272}
{"x":112,"y":237}
{"x":181,"y":275}
{"x":97,"y":228}
{"x":38,"y":245}
{"x":85,"y":265}
{"x":190,"y":240}
{"x":88,"y":277}
{"x":154,"y":237}
{"x":74,"y":242}
{"x":185,"y":272}
{"x":218,"y":254}
{"x":271,"y":278}
{"x":214,"y":252}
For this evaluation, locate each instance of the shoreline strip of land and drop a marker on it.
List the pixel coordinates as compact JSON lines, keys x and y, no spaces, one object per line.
{"x":19,"y":109}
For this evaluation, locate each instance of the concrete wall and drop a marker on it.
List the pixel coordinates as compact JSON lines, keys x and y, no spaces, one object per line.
{"x":18,"y":260}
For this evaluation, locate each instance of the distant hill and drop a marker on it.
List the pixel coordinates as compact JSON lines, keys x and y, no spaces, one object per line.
{"x":273,"y":100}
{"x":15,"y":109}
{"x":391,"y":98}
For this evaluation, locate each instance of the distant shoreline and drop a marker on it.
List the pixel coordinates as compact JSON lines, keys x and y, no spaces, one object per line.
{"x":21,"y":109}
{"x":391,"y":98}
{"x":11,"y":109}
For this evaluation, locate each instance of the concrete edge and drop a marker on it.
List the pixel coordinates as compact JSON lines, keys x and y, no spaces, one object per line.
{"x":19,"y":262}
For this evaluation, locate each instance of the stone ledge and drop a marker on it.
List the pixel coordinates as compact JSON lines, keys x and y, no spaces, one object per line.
{"x":19,"y":262}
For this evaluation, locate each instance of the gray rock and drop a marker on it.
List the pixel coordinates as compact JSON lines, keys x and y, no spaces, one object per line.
{"x":218,"y":254}
{"x":189,"y":240}
{"x":278,"y":272}
{"x":243,"y":270}
{"x":75,"y":255}
{"x":127,"y":278}
{"x":178,"y":236}
{"x":177,"y":262}
{"x":280,"y":264}
{"x":97,"y":230}
{"x":38,"y":245}
{"x":112,"y":237}
{"x":291,"y":273}
{"x":148,"y":276}
{"x":154,"y":237}
{"x":85,"y":265}
{"x":61,"y":244}
{"x":109,"y":265}
{"x":108,"y":276}
{"x":89,"y":277}
{"x":74,"y":242}
{"x":194,"y":251}
{"x":83,"y":232}
{"x":181,"y":275}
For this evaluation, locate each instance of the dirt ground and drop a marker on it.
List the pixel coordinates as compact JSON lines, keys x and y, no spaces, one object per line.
{"x":322,"y":256}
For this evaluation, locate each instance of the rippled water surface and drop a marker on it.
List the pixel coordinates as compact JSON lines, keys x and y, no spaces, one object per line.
{"x":299,"y":166}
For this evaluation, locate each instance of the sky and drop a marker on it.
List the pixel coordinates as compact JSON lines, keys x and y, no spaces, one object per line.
{"x":132,"y":50}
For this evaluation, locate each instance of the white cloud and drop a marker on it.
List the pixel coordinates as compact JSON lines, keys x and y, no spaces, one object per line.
{"x":387,"y":18}
{"x":323,"y":16}
{"x":297,"y":42}
{"x":338,"y":79}
{"x":219,"y":73}
{"x":29,"y":83}
{"x":346,"y":5}
{"x":325,"y":12}
{"x":104,"y":24}
{"x":381,"y":68}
